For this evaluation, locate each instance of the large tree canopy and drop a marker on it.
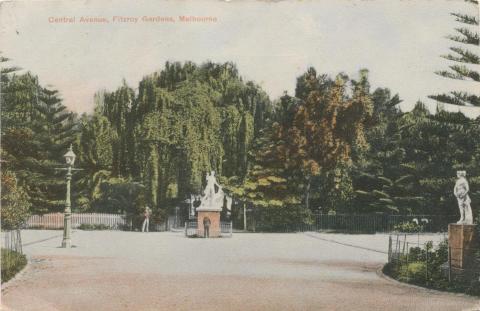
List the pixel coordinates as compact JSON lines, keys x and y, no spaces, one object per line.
{"x":335,"y":144}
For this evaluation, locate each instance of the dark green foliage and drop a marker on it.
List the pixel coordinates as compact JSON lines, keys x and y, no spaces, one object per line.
{"x":36,"y":132}
{"x":411,"y":164}
{"x":335,"y":145}
{"x":91,"y":227}
{"x":462,"y":59}
{"x":185,"y":121}
{"x":12,"y":263}
{"x":409,"y":227}
{"x":118,"y":195}
{"x":15,"y":202}
{"x":426,"y":266}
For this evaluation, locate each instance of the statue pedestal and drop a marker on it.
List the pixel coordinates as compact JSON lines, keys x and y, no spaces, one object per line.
{"x":462,"y":240}
{"x":214,"y":215}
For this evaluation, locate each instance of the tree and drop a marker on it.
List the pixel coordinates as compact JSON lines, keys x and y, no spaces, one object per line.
{"x":117,"y":108}
{"x":308,"y":136}
{"x":266,"y":187}
{"x":15,"y":202}
{"x":379,"y":165}
{"x":327,"y":124}
{"x":461,"y":57}
{"x":36,"y":133}
{"x":186,"y":120}
{"x":95,"y":153}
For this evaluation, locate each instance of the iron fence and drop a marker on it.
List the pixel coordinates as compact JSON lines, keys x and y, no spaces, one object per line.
{"x":359,"y":223}
{"x":191,"y":229}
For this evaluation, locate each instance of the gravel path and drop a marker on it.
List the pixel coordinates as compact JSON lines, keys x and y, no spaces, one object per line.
{"x":110,"y":270}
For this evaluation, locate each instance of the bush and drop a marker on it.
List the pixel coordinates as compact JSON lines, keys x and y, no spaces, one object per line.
{"x":414,"y":272}
{"x":279,"y":218}
{"x":12,"y":263}
{"x":425,"y":267}
{"x":408,"y":227}
{"x":93,"y":227}
{"x":15,"y":202}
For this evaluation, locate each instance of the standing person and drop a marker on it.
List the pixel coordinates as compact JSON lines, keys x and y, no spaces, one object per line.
{"x":206,"y":227}
{"x":146,"y":221}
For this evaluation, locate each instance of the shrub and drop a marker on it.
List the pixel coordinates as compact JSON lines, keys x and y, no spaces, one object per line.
{"x":15,"y":202}
{"x":12,"y":263}
{"x":425,"y":267}
{"x":408,"y":227}
{"x":93,"y":227}
{"x":414,"y":272}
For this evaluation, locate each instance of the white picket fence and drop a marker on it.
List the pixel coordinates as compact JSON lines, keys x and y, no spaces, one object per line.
{"x":55,"y":220}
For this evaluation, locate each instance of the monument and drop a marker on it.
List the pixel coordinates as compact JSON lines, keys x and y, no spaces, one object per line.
{"x":461,"y":193}
{"x":210,"y":207}
{"x":462,"y":236}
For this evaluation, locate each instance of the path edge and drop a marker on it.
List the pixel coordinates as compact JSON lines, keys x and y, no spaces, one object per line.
{"x":19,"y":274}
{"x":429,"y":290}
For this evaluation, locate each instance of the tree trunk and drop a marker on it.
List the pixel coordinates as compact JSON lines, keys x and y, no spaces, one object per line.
{"x":307,"y":192}
{"x":244,"y":216}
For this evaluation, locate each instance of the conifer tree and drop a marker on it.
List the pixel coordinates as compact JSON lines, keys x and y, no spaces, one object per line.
{"x":36,"y":134}
{"x":463,"y":56}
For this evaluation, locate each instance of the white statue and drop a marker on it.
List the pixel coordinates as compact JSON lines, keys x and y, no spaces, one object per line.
{"x":211,"y":183}
{"x":212,"y":200}
{"x":461,"y":192}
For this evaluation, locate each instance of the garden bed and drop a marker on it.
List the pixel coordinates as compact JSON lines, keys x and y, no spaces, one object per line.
{"x":12,"y":263}
{"x":428,"y":267}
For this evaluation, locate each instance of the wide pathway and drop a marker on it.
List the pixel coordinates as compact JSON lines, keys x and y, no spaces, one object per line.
{"x":108,"y":270}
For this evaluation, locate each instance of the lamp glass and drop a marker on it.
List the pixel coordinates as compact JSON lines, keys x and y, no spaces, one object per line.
{"x":70,"y":157}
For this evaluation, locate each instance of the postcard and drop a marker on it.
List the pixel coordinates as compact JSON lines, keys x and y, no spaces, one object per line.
{"x":240,"y":155}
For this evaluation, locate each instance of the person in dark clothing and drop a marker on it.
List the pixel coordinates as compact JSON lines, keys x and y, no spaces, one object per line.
{"x":206,"y":227}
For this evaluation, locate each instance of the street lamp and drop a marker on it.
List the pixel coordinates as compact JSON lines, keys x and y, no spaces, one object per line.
{"x":67,"y":220}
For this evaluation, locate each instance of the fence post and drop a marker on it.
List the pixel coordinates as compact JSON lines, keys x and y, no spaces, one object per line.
{"x":449,"y":263}
{"x":426,"y":264}
{"x":397,"y":247}
{"x":244,"y":216}
{"x":408,"y":272}
{"x":389,"y":248}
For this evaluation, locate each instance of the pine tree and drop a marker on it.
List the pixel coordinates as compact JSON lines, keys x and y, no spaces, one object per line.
{"x":462,"y":58}
{"x":36,"y":133}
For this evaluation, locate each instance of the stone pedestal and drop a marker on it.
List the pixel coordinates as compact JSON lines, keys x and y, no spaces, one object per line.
{"x":214,"y":216}
{"x":462,"y":240}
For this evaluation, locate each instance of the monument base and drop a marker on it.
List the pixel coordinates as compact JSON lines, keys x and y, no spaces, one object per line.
{"x":214,"y":231}
{"x":463,"y":242}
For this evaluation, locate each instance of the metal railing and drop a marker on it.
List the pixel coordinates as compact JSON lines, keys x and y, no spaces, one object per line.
{"x":191,"y":229}
{"x":359,"y":223}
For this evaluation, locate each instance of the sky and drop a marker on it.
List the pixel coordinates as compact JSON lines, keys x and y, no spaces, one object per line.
{"x":271,"y":43}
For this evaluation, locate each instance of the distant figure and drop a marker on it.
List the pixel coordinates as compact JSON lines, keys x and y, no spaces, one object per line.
{"x":146,"y":221}
{"x":461,"y":192}
{"x":206,"y":227}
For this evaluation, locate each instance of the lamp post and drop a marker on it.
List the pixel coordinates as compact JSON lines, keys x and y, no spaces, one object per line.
{"x":67,"y":220}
